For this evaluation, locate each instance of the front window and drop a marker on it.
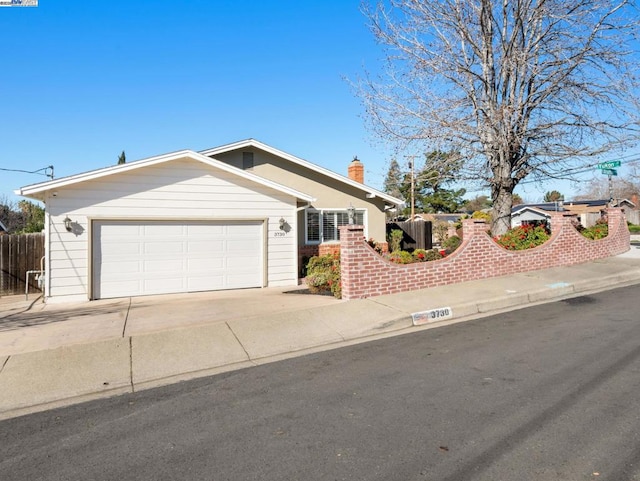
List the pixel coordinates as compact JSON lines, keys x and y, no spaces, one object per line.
{"x":323,"y":225}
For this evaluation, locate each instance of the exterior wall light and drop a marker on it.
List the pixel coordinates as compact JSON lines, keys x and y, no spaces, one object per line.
{"x":67,"y":224}
{"x":351,"y":212}
{"x":282,"y":223}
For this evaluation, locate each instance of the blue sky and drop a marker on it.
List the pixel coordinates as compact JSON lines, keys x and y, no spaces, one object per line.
{"x":84,"y":80}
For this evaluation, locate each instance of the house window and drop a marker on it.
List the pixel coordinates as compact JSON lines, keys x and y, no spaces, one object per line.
{"x":323,"y":225}
{"x":247,"y":160}
{"x":313,"y":227}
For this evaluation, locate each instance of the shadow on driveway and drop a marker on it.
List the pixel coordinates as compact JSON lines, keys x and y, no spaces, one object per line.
{"x":28,"y":317}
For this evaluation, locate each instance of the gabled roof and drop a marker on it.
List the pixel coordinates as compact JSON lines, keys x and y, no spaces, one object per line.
{"x":599,"y":202}
{"x":37,"y":191}
{"x":519,"y":209}
{"x":243,"y":144}
{"x":443,"y":217}
{"x":543,"y":206}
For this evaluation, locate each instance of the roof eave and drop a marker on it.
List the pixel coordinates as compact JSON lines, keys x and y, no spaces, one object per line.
{"x":41,"y":188}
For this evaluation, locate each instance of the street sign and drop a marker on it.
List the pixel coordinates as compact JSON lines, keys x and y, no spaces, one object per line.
{"x":609,"y":171}
{"x":612,"y":164}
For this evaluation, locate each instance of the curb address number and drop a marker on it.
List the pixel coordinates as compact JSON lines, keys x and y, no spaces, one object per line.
{"x":432,"y":315}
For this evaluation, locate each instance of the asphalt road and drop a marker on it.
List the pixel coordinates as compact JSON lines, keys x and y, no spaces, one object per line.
{"x":544,"y":393}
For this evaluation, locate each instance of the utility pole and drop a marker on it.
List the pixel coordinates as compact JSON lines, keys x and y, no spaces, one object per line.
{"x":411,"y":167}
{"x":610,"y":190}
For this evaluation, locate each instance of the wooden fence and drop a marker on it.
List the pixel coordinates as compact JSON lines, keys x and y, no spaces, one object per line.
{"x":18,"y":254}
{"x":417,"y":235}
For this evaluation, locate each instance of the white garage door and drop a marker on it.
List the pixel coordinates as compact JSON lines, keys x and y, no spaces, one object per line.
{"x":134,"y":258}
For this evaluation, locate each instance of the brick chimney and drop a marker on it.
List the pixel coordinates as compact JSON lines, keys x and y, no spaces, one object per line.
{"x":356,"y":170}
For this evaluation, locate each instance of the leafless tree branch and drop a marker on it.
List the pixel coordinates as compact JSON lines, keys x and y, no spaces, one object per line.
{"x":518,"y":87}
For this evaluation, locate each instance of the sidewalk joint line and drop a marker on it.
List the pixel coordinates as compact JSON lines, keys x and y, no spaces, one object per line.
{"x":126,"y":318}
{"x":373,"y":299}
{"x":4,"y":363}
{"x":133,"y":388}
{"x":241,"y":345}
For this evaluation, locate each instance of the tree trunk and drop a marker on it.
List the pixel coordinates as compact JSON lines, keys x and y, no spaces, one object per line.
{"x":501,"y":212}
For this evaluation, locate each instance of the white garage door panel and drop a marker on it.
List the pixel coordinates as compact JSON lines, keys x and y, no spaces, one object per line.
{"x":154,"y":257}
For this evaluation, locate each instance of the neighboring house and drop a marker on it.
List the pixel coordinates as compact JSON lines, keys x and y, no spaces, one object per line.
{"x":533,"y":214}
{"x":3,"y":228}
{"x":589,"y":211}
{"x":236,"y":216}
{"x":586,"y":211}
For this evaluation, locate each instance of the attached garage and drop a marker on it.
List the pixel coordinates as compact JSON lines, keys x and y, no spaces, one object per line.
{"x":176,"y":223}
{"x":135,"y":258}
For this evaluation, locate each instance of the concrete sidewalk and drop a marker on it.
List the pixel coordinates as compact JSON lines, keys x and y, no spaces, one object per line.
{"x":52,"y":355}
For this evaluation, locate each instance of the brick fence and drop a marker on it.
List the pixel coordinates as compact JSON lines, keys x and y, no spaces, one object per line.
{"x":366,"y":274}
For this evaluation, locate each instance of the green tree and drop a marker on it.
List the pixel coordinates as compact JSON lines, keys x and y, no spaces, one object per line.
{"x":443,"y":200}
{"x":394,"y":180}
{"x":517,"y":199}
{"x":440,"y":170}
{"x":480,"y":202}
{"x":520,"y":89}
{"x":122,"y":158}
{"x":33,"y":217}
{"x":553,"y":196}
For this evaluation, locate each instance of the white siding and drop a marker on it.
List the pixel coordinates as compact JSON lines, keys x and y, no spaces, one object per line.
{"x":526,"y":215}
{"x":177,"y":190}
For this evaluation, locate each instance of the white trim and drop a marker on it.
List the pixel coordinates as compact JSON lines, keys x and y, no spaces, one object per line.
{"x":321,"y":211}
{"x":34,"y":189}
{"x":537,"y":210}
{"x":370,"y":193}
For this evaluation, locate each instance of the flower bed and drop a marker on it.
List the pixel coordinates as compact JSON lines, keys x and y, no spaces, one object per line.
{"x":598,"y":231}
{"x":523,"y":237}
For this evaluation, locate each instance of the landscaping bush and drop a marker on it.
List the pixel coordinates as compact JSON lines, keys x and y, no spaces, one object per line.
{"x":598,"y":231}
{"x":323,"y":275}
{"x":523,"y":237}
{"x":401,"y":257}
{"x":458,"y":224}
{"x":440,"y":230}
{"x":421,"y":255}
{"x":395,"y":239}
{"x":452,"y":243}
{"x":375,"y":246}
{"x":479,"y":214}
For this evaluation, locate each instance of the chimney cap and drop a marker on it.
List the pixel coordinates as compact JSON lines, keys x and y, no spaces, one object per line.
{"x":355,"y":159}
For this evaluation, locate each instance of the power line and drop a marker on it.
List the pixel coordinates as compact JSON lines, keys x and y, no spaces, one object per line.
{"x":48,"y":171}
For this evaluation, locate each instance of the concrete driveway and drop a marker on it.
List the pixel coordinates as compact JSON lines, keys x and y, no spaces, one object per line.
{"x":27,"y":326}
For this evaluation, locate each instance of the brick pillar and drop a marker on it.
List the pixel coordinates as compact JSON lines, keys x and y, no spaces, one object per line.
{"x":353,"y":278}
{"x":619,"y":234}
{"x":559,"y":221}
{"x":472,"y":227}
{"x":614,"y":217}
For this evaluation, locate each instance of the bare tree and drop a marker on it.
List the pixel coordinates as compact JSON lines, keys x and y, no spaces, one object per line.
{"x":10,"y":214}
{"x":519,"y":87}
{"x":598,"y":188}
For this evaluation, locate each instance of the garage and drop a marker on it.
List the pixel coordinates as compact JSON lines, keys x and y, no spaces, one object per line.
{"x":135,"y":258}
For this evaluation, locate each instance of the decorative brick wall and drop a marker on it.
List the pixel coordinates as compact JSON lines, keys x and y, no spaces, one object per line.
{"x":305,"y":252}
{"x":367,"y":274}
